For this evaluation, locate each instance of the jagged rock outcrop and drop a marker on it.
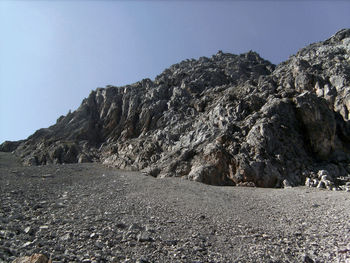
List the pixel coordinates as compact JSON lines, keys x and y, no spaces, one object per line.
{"x":224,"y":120}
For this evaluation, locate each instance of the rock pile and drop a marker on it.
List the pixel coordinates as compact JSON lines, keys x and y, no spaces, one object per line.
{"x":224,"y":120}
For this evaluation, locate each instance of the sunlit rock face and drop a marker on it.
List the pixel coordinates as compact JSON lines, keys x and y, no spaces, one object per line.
{"x":225,"y":120}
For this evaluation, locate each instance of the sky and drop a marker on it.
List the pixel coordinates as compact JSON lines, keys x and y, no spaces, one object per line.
{"x":54,"y":53}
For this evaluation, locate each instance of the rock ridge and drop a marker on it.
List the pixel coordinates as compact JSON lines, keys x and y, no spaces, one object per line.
{"x":224,"y":120}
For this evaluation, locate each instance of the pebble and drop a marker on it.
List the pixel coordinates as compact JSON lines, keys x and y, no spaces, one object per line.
{"x":142,"y":260}
{"x":27,"y":244}
{"x":27,"y":229}
{"x":307,"y":259}
{"x":66,"y":237}
{"x":321,"y":184}
{"x":286,"y":184}
{"x":144,"y":237}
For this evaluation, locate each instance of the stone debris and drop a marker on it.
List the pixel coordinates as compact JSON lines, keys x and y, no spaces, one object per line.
{"x":127,"y":217}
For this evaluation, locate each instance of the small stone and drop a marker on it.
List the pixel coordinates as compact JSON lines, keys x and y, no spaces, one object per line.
{"x":27,"y":230}
{"x":142,"y":260}
{"x":66,"y":237}
{"x":37,"y":206}
{"x":322,"y":173}
{"x":328,"y":183}
{"x":149,"y":229}
{"x":27,"y":244}
{"x":307,"y":259}
{"x":60,"y":205}
{"x":308,"y":182}
{"x":144,"y":237}
{"x":134,"y":227}
{"x":325,"y":178}
{"x":321,"y":184}
{"x":286,"y":184}
{"x":121,"y":225}
{"x":198,"y":249}
{"x":99,"y":244}
{"x":83,"y":159}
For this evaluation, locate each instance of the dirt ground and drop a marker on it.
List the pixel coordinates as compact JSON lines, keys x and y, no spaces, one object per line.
{"x":91,"y":213}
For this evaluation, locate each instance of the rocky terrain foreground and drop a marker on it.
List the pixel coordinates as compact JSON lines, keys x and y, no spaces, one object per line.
{"x":91,"y":213}
{"x":224,"y":120}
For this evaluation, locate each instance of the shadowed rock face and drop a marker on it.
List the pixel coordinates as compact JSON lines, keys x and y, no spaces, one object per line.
{"x":224,"y":120}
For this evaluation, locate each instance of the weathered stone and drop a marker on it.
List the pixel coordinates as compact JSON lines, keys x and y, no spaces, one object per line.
{"x":307,"y":259}
{"x":66,"y":237}
{"x":27,"y":230}
{"x":35,"y":258}
{"x":286,"y":184}
{"x":323,"y":175}
{"x":321,"y":184}
{"x":308,"y":182}
{"x":225,"y":120}
{"x":144,"y":237}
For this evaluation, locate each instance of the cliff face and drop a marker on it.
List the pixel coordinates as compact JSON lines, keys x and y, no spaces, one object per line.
{"x":224,"y":120}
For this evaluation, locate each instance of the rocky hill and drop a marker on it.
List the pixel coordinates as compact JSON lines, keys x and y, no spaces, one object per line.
{"x":224,"y":120}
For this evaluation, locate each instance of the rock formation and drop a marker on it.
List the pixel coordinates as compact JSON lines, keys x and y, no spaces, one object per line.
{"x":224,"y":120}
{"x":35,"y":258}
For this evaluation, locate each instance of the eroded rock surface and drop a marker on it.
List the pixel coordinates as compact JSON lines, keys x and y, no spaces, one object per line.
{"x":224,"y":120}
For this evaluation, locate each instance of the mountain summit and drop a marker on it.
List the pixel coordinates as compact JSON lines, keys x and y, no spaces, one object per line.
{"x":225,"y":120}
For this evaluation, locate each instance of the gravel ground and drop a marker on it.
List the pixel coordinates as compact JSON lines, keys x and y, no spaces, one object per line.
{"x":91,"y":213}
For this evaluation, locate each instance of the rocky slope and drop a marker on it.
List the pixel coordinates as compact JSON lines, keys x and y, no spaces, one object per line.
{"x":224,"y":120}
{"x":93,"y":214}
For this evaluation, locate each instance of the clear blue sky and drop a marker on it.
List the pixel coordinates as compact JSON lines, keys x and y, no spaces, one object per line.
{"x":53,"y":53}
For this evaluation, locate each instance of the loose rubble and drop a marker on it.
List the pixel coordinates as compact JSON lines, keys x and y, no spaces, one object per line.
{"x":79,"y":215}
